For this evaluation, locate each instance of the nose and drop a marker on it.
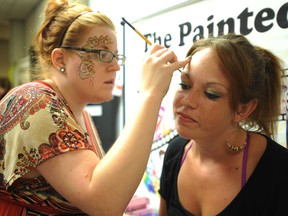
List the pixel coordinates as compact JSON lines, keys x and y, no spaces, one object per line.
{"x":190,"y":99}
{"x":114,"y":64}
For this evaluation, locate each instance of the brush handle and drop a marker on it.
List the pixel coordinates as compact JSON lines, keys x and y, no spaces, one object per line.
{"x":141,"y":35}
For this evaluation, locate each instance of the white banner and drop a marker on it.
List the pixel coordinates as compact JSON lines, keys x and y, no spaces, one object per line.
{"x":264,"y":22}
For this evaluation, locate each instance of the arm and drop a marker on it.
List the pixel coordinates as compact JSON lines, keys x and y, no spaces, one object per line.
{"x":162,"y":208}
{"x":105,"y":187}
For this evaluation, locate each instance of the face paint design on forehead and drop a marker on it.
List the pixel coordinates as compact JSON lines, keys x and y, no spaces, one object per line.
{"x":96,"y":41}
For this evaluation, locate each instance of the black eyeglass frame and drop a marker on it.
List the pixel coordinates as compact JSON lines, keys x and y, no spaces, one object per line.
{"x":98,"y":51}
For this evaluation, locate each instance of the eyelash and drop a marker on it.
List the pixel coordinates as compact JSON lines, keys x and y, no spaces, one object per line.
{"x":184,"y":86}
{"x":210,"y":96}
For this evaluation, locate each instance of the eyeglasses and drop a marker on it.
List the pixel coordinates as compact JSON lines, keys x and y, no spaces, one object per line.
{"x":104,"y":55}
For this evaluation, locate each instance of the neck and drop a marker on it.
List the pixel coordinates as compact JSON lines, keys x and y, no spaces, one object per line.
{"x":215,"y":148}
{"x":75,"y":106}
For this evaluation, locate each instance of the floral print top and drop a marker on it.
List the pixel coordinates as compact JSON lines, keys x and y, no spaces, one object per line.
{"x":35,"y":125}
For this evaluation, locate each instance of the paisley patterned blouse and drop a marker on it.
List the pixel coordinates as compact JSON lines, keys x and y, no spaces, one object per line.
{"x":35,"y":125}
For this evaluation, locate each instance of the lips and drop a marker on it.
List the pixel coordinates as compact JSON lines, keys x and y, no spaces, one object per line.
{"x":111,"y":82}
{"x":185,"y":117}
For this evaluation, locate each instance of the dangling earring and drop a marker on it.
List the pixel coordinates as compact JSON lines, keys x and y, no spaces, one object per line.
{"x":236,"y":148}
{"x":62,"y":70}
{"x":233,"y":147}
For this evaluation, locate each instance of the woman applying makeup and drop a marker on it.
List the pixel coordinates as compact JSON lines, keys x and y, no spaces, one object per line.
{"x":224,"y":161}
{"x":51,"y":161}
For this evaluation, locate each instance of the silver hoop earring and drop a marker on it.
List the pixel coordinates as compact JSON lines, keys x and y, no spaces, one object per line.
{"x":62,"y":70}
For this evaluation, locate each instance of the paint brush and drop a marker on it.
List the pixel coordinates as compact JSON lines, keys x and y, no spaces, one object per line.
{"x":141,"y":35}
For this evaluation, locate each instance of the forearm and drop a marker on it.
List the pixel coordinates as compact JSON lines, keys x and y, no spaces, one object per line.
{"x":119,"y":173}
{"x":116,"y":177}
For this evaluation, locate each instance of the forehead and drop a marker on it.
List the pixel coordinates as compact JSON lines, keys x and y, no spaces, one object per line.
{"x":100,"y":37}
{"x":205,"y":64}
{"x":205,"y":61}
{"x":206,"y":57}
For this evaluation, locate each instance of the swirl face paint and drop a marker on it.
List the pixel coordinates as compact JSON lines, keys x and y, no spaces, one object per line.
{"x":87,"y":67}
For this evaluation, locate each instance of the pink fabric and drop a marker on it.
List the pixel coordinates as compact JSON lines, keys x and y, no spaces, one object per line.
{"x":244,"y":161}
{"x":185,"y":155}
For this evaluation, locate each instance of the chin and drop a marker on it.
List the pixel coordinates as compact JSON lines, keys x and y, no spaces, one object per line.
{"x":183,"y":132}
{"x":103,"y":100}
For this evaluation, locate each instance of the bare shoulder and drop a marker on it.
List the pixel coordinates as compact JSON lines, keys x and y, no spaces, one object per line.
{"x":257,"y":147}
{"x":257,"y":144}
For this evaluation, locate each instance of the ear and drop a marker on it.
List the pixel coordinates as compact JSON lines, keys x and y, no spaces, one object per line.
{"x":57,"y":58}
{"x":244,"y":110}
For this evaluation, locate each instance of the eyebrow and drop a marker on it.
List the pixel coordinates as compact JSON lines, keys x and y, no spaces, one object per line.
{"x":105,"y":47}
{"x":216,"y":83}
{"x":208,"y":83}
{"x":100,"y":47}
